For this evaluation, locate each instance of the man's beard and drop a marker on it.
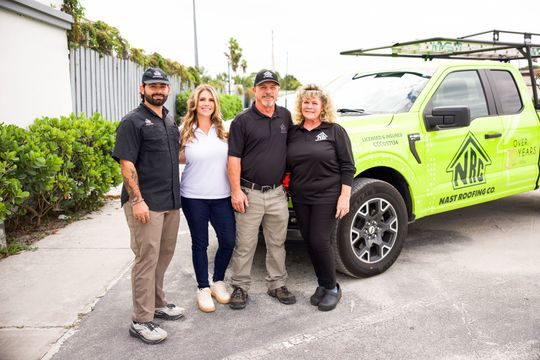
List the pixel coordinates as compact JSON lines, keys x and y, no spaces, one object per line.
{"x":156,"y":102}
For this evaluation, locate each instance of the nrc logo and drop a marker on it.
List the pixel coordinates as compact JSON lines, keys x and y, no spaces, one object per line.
{"x":468,"y":167}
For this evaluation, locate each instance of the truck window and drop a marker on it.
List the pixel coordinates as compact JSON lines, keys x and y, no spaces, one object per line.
{"x":462,"y":88}
{"x":508,"y":93}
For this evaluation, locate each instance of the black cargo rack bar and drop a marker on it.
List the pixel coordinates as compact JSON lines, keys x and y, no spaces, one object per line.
{"x":465,"y":48}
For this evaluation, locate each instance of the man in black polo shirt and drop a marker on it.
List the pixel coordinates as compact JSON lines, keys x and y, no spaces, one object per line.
{"x":147,"y":147}
{"x":257,"y":153}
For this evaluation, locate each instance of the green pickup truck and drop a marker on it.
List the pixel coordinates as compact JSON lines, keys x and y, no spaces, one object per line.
{"x":433,"y":139}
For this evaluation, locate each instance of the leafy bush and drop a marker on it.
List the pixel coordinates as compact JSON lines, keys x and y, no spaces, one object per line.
{"x":87,"y":170}
{"x":181,"y":104}
{"x":62,"y":164}
{"x":11,"y":193}
{"x":230,"y":105}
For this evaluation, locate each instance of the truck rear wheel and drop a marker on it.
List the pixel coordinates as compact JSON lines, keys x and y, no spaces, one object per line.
{"x":370,"y":238}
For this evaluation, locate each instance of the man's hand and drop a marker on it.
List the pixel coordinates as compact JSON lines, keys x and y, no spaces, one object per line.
{"x":239,"y":201}
{"x":141,"y":212}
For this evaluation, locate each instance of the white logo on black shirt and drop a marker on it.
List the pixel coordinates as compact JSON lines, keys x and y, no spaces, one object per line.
{"x":283,"y":128}
{"x":148,"y":122}
{"x":321,"y":137}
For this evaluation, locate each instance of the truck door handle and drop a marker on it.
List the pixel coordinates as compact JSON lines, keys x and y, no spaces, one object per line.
{"x":413,"y":138}
{"x":492,"y":136}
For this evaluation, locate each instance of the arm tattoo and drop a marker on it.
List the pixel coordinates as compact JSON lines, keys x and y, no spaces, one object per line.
{"x":131,"y":182}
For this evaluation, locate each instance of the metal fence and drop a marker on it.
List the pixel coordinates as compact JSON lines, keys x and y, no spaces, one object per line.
{"x":108,"y":85}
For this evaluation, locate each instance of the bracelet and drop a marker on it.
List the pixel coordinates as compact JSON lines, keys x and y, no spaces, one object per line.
{"x":137,"y":202}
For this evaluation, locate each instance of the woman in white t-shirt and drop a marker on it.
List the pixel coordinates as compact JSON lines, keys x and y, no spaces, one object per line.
{"x":205,"y":192}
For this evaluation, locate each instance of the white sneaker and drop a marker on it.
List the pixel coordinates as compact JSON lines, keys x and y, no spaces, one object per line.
{"x":148,"y":332}
{"x":204,"y":300}
{"x":220,"y":292}
{"x":169,"y":312}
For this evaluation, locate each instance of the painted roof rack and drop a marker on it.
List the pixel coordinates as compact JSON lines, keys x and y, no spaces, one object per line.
{"x":470,"y":47}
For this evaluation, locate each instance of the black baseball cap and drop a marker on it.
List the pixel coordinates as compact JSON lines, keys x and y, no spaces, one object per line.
{"x":155,"y":75}
{"x":265,"y":75}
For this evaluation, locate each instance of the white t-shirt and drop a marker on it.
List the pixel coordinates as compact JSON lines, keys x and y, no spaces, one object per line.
{"x":205,"y":173}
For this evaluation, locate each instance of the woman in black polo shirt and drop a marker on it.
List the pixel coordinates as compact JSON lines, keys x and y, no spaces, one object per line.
{"x":321,"y":163}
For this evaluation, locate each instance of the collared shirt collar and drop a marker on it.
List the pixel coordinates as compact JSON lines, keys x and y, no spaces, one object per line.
{"x":263,"y":115}
{"x":212,"y":128}
{"x":165,"y":110}
{"x":322,"y":125}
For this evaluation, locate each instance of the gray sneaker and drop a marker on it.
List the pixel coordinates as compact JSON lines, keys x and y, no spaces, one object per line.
{"x":148,"y":332}
{"x":169,"y":312}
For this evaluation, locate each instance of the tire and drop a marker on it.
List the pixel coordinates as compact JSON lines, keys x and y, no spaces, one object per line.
{"x":370,"y":238}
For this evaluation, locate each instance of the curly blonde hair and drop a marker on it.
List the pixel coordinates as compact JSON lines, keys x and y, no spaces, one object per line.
{"x":310,"y":91}
{"x":188,"y":133}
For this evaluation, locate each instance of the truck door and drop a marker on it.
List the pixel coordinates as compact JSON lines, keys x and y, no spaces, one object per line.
{"x":464,"y":160}
{"x":521,"y":136}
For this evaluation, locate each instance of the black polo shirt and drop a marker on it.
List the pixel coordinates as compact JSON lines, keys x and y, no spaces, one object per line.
{"x":320,"y":161}
{"x":152,"y":144}
{"x":261,"y":144}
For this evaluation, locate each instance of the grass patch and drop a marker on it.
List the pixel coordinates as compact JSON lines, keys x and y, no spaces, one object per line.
{"x":15,"y":248}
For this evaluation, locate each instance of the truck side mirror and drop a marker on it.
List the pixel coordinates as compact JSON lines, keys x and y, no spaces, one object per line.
{"x":448,"y":117}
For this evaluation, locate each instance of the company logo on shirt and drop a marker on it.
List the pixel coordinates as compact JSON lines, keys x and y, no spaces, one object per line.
{"x":321,"y":137}
{"x":148,"y":122}
{"x":283,"y":128}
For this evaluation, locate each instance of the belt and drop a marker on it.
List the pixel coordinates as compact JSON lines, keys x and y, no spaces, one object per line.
{"x":261,"y":188}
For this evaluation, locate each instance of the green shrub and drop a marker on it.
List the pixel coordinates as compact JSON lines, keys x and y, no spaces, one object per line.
{"x":230,"y":105}
{"x":79,"y":149}
{"x":181,"y":105}
{"x":11,"y":192}
{"x":61,"y":164}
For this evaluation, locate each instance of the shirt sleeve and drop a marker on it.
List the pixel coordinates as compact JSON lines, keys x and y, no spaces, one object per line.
{"x":345,"y":156}
{"x":236,"y":139}
{"x":128,"y":142}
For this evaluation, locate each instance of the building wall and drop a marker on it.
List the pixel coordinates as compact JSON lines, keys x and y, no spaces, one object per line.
{"x":34,"y":67}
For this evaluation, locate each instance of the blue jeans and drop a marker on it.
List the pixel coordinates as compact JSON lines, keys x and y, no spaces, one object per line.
{"x":220,"y":214}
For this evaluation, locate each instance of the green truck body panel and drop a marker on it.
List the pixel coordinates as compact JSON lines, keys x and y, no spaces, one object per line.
{"x":493,"y":157}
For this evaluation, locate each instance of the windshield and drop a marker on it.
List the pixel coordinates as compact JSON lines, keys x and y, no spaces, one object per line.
{"x":384,"y":92}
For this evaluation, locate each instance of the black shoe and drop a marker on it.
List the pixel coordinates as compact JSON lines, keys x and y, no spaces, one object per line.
{"x":330,"y":299}
{"x":317,"y":296}
{"x":239,"y":299}
{"x":283,"y":295}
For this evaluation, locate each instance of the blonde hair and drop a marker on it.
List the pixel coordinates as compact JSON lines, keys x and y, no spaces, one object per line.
{"x":310,"y":91}
{"x":188,"y":133}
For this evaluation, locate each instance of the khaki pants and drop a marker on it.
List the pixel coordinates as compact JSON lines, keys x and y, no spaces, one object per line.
{"x":269,"y":209}
{"x":153,"y":245}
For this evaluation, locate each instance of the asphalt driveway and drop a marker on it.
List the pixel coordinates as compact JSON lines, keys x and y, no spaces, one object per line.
{"x":466,"y":286}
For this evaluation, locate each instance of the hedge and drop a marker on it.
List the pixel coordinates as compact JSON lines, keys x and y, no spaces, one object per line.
{"x":230,"y":105}
{"x":61,"y":164}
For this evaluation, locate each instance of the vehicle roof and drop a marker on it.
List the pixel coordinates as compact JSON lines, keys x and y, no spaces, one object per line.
{"x":470,"y":47}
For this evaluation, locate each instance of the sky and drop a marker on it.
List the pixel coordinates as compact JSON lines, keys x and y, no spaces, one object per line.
{"x":302,"y":37}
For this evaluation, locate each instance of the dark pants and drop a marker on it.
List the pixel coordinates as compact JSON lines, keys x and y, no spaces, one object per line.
{"x":220,"y":214}
{"x":316,"y":224}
